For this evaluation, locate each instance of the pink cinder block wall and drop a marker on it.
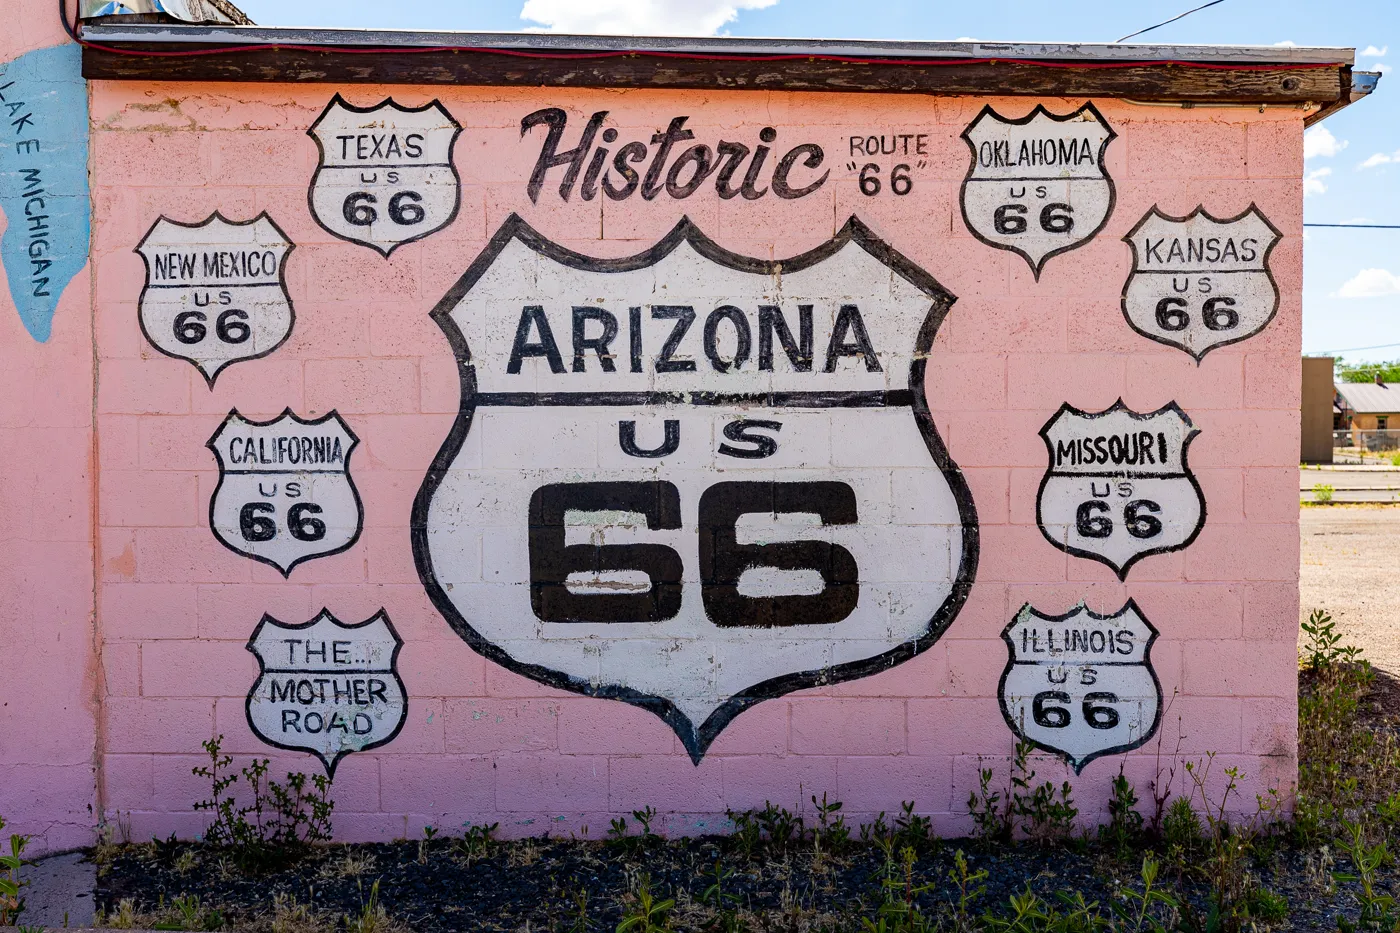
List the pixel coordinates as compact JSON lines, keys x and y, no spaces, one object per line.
{"x":49,"y":671}
{"x":166,"y":666}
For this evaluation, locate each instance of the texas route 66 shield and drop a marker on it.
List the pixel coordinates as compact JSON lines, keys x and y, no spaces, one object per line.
{"x":1081,"y":684}
{"x":216,"y":291}
{"x":386,"y":176}
{"x":693,"y":480}
{"x":1119,"y":488}
{"x":285,"y":493}
{"x":1199,"y":282}
{"x":1038,"y":185}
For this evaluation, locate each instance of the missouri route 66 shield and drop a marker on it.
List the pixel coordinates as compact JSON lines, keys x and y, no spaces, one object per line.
{"x":1037,"y":185}
{"x":386,"y":176}
{"x":1081,"y":684}
{"x":1118,"y":488}
{"x":693,"y":480}
{"x":1199,"y":282}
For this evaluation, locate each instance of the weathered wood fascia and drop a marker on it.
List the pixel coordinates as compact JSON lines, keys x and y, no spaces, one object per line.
{"x":1199,"y":74}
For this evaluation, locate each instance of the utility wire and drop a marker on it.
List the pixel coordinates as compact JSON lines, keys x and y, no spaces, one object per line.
{"x":1170,"y":21}
{"x":1358,"y":226}
{"x":1379,"y":346}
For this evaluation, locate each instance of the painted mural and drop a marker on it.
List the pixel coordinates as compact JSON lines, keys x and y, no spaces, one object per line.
{"x":662,"y":503}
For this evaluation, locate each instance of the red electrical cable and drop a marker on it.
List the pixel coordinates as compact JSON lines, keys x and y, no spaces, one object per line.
{"x":689,"y":56}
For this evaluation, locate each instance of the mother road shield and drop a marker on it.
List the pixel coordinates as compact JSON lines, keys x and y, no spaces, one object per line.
{"x":691,"y":480}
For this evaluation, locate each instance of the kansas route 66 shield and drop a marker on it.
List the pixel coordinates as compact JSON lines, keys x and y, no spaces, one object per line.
{"x":1119,"y":488}
{"x":285,"y":493}
{"x":216,"y":291}
{"x":1037,"y":185}
{"x":1199,"y":282}
{"x":1081,"y":684}
{"x":692,"y":480}
{"x":386,"y":175}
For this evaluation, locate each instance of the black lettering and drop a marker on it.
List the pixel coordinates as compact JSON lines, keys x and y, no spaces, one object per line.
{"x":550,"y":156}
{"x":772,"y":322}
{"x":785,"y":164}
{"x":545,"y":347}
{"x":742,"y":337}
{"x":675,"y":132}
{"x":743,"y":431}
{"x":599,"y":345}
{"x":848,"y":320}
{"x":684,"y":316}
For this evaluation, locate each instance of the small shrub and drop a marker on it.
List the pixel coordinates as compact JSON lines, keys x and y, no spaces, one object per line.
{"x":830,"y":836}
{"x":644,"y":913}
{"x":1181,"y":831}
{"x":1047,"y":816}
{"x":478,"y":842}
{"x":11,"y":885}
{"x":285,"y":818}
{"x":1124,"y":827}
{"x":991,"y":817}
{"x":1322,"y":492}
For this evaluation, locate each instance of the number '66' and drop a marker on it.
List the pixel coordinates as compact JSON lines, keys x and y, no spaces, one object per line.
{"x":405,"y":209}
{"x":1049,"y":709}
{"x":255,"y":524}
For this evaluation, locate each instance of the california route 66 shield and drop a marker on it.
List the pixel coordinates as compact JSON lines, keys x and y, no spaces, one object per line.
{"x":285,"y":493}
{"x":386,"y":176}
{"x":1037,"y":185}
{"x":216,"y":291}
{"x":1199,"y":282}
{"x":326,"y":687}
{"x":693,"y":480}
{"x":1119,"y":488}
{"x":1081,"y":684}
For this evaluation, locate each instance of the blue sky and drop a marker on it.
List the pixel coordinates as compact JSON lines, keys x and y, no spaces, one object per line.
{"x":1352,"y":277}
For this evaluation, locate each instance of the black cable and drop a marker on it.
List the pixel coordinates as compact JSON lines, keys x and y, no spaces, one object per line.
{"x":63,"y":18}
{"x":1170,"y":21}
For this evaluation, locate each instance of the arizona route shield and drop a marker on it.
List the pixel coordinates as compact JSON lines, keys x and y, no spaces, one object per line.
{"x":216,"y":291}
{"x":693,"y":480}
{"x":1081,"y":684}
{"x":386,"y":176}
{"x":1038,"y":185}
{"x":1119,"y":488}
{"x":1199,"y":282}
{"x":326,"y":687}
{"x":285,"y":493}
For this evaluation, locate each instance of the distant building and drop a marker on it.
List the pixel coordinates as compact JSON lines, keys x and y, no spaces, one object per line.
{"x":1319,"y":402}
{"x":1368,"y":406}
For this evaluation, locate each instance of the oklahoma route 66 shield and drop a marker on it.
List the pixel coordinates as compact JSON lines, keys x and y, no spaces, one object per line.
{"x":692,"y":480}
{"x":1081,"y":684}
{"x":1199,"y":282}
{"x":216,"y":291}
{"x":285,"y":494}
{"x":1037,"y":185}
{"x":386,"y":176}
{"x":1118,"y":488}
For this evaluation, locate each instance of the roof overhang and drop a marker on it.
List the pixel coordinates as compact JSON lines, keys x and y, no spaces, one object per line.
{"x":1316,"y":79}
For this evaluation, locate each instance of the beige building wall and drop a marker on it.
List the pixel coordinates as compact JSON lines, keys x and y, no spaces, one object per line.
{"x":1318,"y":392}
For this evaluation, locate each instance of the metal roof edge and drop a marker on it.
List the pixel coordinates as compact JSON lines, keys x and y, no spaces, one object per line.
{"x":111,"y":32}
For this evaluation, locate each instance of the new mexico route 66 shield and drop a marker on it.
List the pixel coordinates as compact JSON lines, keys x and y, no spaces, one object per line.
{"x":1081,"y":684}
{"x":1118,"y":488}
{"x":1037,"y":185}
{"x":692,"y":480}
{"x":386,"y":175}
{"x":326,"y":687}
{"x":284,"y":493}
{"x":216,"y":291}
{"x":1198,"y":282}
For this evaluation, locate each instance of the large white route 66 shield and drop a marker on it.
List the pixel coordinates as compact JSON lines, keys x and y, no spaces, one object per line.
{"x":1118,"y":488}
{"x":326,"y":687}
{"x":1037,"y":185}
{"x":216,"y":291}
{"x":1081,"y":684}
{"x":692,"y":480}
{"x":386,"y":176}
{"x":1198,"y":282}
{"x":284,"y":493}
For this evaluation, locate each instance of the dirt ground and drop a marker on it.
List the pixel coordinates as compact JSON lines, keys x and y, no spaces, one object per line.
{"x":1351,"y":568}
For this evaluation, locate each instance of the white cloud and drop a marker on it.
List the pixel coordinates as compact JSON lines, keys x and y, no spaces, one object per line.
{"x":1382,"y":67}
{"x":638,"y":17}
{"x":1286,"y":44}
{"x":1371,"y":283}
{"x":1380,"y":158}
{"x":1313,"y":184}
{"x":1372,"y":52}
{"x":1319,"y":141}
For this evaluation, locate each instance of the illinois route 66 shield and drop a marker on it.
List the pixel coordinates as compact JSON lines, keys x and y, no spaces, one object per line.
{"x":1081,"y":684}
{"x":326,"y":687}
{"x":284,"y":493}
{"x":693,"y":480}
{"x":386,"y":176}
{"x":1198,"y":282}
{"x":216,"y":291}
{"x":1118,"y":488}
{"x":1037,"y":185}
